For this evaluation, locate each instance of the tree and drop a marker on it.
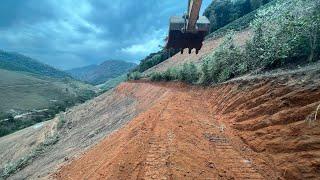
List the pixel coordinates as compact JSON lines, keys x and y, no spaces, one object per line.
{"x":222,"y":12}
{"x":10,"y":118}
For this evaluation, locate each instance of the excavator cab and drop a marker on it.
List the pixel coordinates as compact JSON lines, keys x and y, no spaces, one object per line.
{"x":188,"y":31}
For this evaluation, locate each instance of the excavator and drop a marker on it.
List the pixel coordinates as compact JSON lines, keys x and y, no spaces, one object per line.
{"x":188,"y":31}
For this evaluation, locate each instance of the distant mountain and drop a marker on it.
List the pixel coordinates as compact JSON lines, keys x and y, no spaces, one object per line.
{"x":33,"y":92}
{"x":35,"y":98}
{"x":98,"y":74}
{"x":18,"y":62}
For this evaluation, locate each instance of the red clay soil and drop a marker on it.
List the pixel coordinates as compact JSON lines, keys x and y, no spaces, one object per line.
{"x":239,"y":130}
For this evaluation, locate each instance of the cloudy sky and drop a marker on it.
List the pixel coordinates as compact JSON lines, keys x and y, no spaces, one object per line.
{"x":74,"y":33}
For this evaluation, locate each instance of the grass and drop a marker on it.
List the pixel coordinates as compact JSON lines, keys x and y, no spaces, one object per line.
{"x":12,"y":168}
{"x":17,"y":62}
{"x":24,"y":92}
{"x":112,"y":83}
{"x":61,"y":121}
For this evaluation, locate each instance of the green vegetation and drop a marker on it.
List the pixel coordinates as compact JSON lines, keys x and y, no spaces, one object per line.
{"x":223,"y":12}
{"x":154,"y":59}
{"x":112,"y":83}
{"x":226,"y":62}
{"x":240,"y":23}
{"x":37,"y":98}
{"x":61,"y":120}
{"x":99,"y":74}
{"x":189,"y":73}
{"x":134,"y":75}
{"x":286,"y":32}
{"x":17,"y":62}
{"x":150,"y":61}
{"x":224,"y":15}
{"x":25,"y":161}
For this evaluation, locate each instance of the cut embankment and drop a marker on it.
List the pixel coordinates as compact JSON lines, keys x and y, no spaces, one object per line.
{"x":262,"y":129}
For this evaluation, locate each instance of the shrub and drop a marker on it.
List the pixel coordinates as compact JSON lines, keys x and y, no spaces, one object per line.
{"x":134,"y":75}
{"x":61,"y":121}
{"x":156,"y":76}
{"x":171,"y":74}
{"x":4,"y":131}
{"x":283,"y":32}
{"x":226,"y":62}
{"x":189,"y":73}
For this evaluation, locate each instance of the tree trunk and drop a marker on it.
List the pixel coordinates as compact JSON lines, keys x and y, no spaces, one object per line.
{"x":313,"y":47}
{"x":311,"y":56}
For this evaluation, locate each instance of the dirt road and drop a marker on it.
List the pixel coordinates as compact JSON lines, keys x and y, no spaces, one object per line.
{"x":250,"y":130}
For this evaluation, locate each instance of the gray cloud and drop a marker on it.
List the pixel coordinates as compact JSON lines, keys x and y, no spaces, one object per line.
{"x":73,"y":33}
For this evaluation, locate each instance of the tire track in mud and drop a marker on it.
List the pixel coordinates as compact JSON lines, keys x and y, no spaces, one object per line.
{"x":230,"y":163}
{"x":175,"y":132}
{"x":156,"y":161}
{"x":157,"y":157}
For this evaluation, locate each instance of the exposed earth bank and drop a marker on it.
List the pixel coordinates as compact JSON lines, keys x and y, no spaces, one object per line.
{"x":262,"y":128}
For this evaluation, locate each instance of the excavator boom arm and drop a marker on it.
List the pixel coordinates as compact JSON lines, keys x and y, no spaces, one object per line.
{"x":193,"y":14}
{"x":189,"y":30}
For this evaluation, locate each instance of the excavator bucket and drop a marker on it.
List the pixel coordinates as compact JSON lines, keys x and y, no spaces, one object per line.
{"x":180,"y":39}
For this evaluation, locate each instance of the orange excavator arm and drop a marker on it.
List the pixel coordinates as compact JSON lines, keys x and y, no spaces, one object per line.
{"x":193,"y":14}
{"x":188,"y":31}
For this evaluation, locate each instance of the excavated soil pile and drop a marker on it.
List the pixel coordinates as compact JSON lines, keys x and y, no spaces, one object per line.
{"x":257,"y":129}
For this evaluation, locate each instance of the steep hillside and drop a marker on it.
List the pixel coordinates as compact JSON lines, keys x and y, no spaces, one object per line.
{"x":73,"y":132}
{"x":258,"y":129}
{"x":223,"y":12}
{"x":98,"y":74}
{"x":112,"y":83}
{"x":27,"y":98}
{"x":17,"y":62}
{"x":209,"y":46}
{"x":255,"y":128}
{"x":224,"y":16}
{"x":282,"y":34}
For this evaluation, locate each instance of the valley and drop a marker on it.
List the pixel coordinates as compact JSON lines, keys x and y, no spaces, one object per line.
{"x":30,"y":94}
{"x":99,"y":74}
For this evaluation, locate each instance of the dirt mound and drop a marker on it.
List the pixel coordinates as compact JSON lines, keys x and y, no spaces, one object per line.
{"x":257,"y":129}
{"x":208,"y":46}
